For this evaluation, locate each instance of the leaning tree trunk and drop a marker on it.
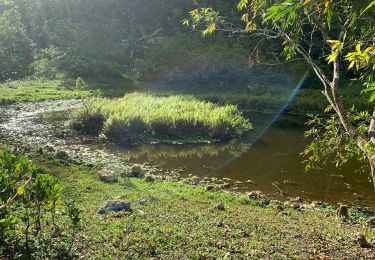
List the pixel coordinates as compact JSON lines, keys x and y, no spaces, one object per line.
{"x":331,"y":92}
{"x":371,"y":134}
{"x":372,"y":167}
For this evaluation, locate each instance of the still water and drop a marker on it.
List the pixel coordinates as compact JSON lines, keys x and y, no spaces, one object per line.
{"x":268,"y":159}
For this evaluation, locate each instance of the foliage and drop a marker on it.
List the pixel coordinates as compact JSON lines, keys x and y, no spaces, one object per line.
{"x":141,"y":117}
{"x":81,"y":38}
{"x":306,"y":27}
{"x":330,"y":142}
{"x":28,"y":203}
{"x":16,"y":47}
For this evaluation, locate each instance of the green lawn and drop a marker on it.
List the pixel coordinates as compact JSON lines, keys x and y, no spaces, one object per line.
{"x":179,"y":221}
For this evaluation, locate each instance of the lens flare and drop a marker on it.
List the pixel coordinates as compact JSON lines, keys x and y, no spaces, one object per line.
{"x":253,"y":139}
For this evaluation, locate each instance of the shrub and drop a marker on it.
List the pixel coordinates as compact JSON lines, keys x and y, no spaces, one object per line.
{"x":141,"y":117}
{"x":28,"y":209}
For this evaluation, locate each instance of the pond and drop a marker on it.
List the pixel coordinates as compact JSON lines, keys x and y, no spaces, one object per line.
{"x":268,"y":159}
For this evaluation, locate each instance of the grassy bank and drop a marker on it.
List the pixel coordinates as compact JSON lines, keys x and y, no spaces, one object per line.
{"x":180,"y":221}
{"x":147,"y":118}
{"x":33,"y":90}
{"x":38,"y":90}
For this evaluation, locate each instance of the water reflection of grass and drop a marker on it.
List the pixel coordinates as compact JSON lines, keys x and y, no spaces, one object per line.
{"x":234,"y":148}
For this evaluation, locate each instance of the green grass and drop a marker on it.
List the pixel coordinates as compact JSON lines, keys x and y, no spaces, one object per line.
{"x":32,"y":90}
{"x":264,"y":98}
{"x":37,"y":90}
{"x":149,"y":118}
{"x":179,"y":221}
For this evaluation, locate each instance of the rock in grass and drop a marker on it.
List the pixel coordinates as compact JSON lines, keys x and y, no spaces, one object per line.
{"x":296,"y":199}
{"x":115,"y":206}
{"x":149,"y":178}
{"x":343,"y":212}
{"x":316,"y":204}
{"x":62,"y":155}
{"x":294,"y":203}
{"x":371,"y":222}
{"x":41,"y":170}
{"x":220,"y":206}
{"x":136,"y":171}
{"x":210,"y":187}
{"x":255,"y":195}
{"x":108,"y":176}
{"x":362,"y":241}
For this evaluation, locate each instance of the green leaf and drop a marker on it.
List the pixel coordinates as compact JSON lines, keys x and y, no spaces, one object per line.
{"x":20,"y":191}
{"x":368,"y":7}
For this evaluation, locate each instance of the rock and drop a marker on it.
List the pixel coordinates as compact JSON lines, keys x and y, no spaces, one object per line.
{"x":108,"y":176}
{"x":136,"y":171}
{"x":343,"y":212}
{"x":296,"y":199}
{"x":261,"y":198}
{"x":316,"y":204}
{"x":41,"y":170}
{"x":220,"y":206}
{"x":255,"y":195}
{"x":362,"y":242}
{"x":278,"y":208}
{"x":221,"y":224}
{"x":142,"y":202}
{"x":62,"y":155}
{"x":371,"y":222}
{"x":293,"y":205}
{"x":149,"y":178}
{"x":49,"y":148}
{"x":210,"y":187}
{"x":115,"y":206}
{"x":194,"y":180}
{"x":40,"y":151}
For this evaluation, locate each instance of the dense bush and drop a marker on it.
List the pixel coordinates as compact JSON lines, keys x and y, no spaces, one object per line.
{"x":29,"y":218}
{"x":146,"y":118}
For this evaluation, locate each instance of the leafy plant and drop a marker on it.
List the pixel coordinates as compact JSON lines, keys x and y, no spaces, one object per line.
{"x":28,"y":201}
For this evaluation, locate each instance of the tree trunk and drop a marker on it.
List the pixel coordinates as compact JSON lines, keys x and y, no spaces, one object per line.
{"x":372,"y":167}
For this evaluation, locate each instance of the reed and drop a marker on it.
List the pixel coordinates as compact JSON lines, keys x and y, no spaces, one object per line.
{"x":147,"y":118}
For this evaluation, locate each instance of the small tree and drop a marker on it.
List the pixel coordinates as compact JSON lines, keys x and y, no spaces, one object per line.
{"x":338,"y":32}
{"x":28,"y":202}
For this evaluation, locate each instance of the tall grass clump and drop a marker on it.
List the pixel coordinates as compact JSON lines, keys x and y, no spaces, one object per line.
{"x":146,"y":118}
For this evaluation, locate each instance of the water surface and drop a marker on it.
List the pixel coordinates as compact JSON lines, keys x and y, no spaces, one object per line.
{"x":268,"y":159}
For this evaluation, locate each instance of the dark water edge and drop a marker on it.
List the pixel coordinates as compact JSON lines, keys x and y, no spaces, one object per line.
{"x":268,"y":159}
